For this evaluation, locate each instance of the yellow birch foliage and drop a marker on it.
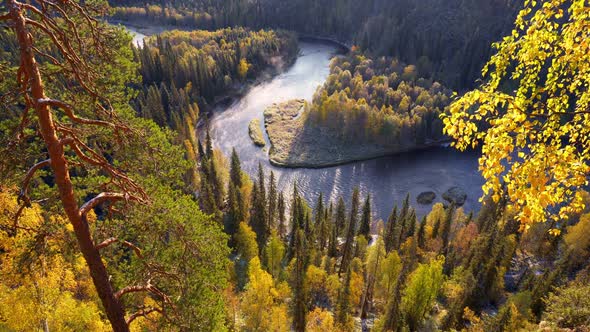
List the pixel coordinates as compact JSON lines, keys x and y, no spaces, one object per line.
{"x":532,"y":113}
{"x":40,"y":287}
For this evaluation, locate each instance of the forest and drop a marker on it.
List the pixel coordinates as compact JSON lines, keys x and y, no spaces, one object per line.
{"x":119,"y":212}
{"x":380,"y":101}
{"x":184,"y":74}
{"x":454,"y":35}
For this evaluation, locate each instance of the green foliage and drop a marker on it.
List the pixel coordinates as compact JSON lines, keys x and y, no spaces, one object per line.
{"x":347,"y":251}
{"x":451,"y":47}
{"x":371,"y":101}
{"x":246,"y":242}
{"x":273,"y":254}
{"x":421,"y":291}
{"x":365,"y":226}
{"x":569,"y":306}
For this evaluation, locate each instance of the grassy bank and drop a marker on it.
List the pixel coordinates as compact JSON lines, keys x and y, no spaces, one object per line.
{"x":255,"y":133}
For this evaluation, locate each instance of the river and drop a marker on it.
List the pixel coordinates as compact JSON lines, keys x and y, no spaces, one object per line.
{"x":387,"y":179}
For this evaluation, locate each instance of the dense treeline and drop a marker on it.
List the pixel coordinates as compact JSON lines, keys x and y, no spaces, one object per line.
{"x":454,"y":35}
{"x":158,"y":247}
{"x":380,"y":101}
{"x":290,"y":264}
{"x":326,"y":263}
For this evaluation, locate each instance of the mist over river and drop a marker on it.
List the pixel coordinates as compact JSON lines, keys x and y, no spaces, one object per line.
{"x":387,"y":179}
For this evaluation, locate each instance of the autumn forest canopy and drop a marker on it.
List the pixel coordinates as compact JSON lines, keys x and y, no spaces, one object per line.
{"x":122,"y":210}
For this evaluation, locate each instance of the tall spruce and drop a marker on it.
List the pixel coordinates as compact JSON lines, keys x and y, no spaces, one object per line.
{"x":404,"y":220}
{"x":347,"y":251}
{"x":446,"y":228}
{"x":299,"y":300}
{"x":258,"y":220}
{"x":343,"y":306}
{"x":235,"y":172}
{"x":272,"y":201}
{"x":411,"y":226}
{"x":340,"y":219}
{"x":390,"y":230}
{"x":282,"y":228}
{"x":232,"y":216}
{"x":365,"y":227}
{"x":320,"y":223}
{"x":422,"y":233}
{"x":208,"y":144}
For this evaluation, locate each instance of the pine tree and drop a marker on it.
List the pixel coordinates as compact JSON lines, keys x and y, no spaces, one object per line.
{"x":299,"y":301}
{"x":333,"y":244}
{"x":347,"y":251}
{"x":257,"y":218}
{"x":282,"y":231}
{"x":201,"y":151}
{"x":233,"y":216}
{"x":272,"y":201}
{"x":340,"y":221}
{"x":235,"y":172}
{"x":404,"y":221}
{"x":390,"y":230}
{"x":422,"y":233}
{"x":446,"y":229}
{"x":365,"y":226}
{"x":343,"y":307}
{"x":215,"y":182}
{"x":411,"y":229}
{"x":207,"y":199}
{"x":208,"y":144}
{"x":320,"y":223}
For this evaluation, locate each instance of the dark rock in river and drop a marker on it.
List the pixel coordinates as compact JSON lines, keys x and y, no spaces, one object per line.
{"x":455,"y":195}
{"x":426,"y":197}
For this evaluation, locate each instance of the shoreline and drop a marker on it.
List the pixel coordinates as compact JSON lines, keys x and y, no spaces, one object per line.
{"x":294,"y":143}
{"x":303,"y":165}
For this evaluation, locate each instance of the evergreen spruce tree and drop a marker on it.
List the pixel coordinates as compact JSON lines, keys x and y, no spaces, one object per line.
{"x":272,"y":201}
{"x":282,"y":231}
{"x":347,"y":251}
{"x":208,"y":144}
{"x":404,"y":221}
{"x":340,"y":221}
{"x":299,"y":301}
{"x":232,"y":216}
{"x":200,"y":149}
{"x":390,"y":230}
{"x":422,"y":233}
{"x":411,"y":229}
{"x":365,"y":227}
{"x":446,"y":229}
{"x":343,"y":307}
{"x":235,"y":172}
{"x":258,"y":219}
{"x":320,"y":223}
{"x":333,"y":244}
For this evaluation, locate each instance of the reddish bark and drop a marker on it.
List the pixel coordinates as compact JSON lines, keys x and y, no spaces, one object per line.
{"x":59,"y":166}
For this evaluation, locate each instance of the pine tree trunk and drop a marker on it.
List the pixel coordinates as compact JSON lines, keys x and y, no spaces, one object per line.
{"x":59,"y":166}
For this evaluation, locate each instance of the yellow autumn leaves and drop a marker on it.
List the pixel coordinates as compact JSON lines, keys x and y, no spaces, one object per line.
{"x":532,"y":114}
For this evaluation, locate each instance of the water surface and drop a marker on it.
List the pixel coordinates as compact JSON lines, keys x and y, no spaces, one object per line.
{"x":387,"y":179}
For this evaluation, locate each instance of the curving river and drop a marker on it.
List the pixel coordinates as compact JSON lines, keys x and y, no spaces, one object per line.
{"x":387,"y":179}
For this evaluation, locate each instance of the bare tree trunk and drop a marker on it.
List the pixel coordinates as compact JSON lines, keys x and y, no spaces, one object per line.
{"x":100,"y":277}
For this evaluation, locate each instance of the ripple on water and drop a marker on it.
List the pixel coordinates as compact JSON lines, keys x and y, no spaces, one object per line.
{"x":387,"y":179}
